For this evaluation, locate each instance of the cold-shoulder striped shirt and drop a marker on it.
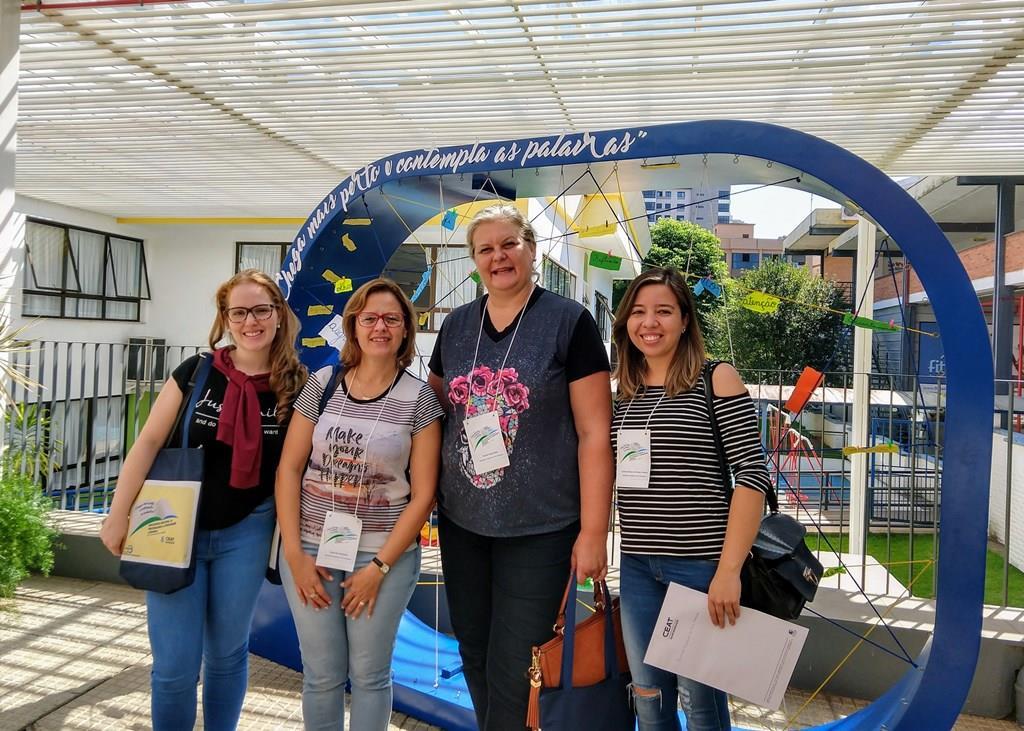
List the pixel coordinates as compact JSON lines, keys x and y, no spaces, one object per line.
{"x":684,"y":509}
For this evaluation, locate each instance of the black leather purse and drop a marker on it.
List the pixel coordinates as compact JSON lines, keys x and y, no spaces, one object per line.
{"x":781,"y":574}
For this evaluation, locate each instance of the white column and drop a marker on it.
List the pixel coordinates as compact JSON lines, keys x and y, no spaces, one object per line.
{"x":10,"y":222}
{"x":864,"y":299}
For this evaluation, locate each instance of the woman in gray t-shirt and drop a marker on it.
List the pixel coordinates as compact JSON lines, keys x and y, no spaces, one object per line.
{"x":516,"y":513}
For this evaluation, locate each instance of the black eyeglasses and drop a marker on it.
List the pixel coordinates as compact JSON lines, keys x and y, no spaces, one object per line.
{"x":259,"y":312}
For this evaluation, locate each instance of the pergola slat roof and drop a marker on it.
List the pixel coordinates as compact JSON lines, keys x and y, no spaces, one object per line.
{"x":235,"y":108}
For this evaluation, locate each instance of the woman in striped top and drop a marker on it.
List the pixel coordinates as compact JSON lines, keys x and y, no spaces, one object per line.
{"x":676,"y":521}
{"x":356,"y":481}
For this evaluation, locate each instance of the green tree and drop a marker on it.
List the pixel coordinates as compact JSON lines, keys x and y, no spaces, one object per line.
{"x":795,"y":335}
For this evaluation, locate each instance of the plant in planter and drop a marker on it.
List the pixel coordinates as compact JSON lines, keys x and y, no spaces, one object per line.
{"x":26,"y":532}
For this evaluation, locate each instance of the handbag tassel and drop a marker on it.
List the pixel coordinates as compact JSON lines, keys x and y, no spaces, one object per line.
{"x":533,"y":708}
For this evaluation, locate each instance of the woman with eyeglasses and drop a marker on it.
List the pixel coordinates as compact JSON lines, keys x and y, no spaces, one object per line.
{"x":356,"y":483}
{"x":239,"y":421}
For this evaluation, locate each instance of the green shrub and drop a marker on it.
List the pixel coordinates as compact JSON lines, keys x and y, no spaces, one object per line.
{"x":26,"y":531}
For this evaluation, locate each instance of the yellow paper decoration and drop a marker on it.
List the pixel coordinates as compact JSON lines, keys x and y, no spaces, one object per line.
{"x":760,"y":302}
{"x":356,"y":222}
{"x":319,"y":310}
{"x":424,"y":319}
{"x":605,"y":230}
{"x":313,"y":342}
{"x":344,"y":284}
{"x":889,"y":448}
{"x":348,"y":243}
{"x":329,"y":275}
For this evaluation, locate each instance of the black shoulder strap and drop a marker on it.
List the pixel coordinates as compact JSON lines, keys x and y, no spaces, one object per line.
{"x":186,"y":396}
{"x":716,"y":435}
{"x":337,"y":373}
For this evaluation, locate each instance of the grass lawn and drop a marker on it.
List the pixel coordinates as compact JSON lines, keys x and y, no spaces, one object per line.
{"x":894,"y":553}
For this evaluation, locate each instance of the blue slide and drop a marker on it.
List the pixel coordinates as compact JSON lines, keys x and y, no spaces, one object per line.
{"x":440,"y":698}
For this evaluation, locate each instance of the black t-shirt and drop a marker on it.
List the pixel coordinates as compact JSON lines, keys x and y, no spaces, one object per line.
{"x":526,"y":382}
{"x":586,"y":349}
{"x":221,"y":505}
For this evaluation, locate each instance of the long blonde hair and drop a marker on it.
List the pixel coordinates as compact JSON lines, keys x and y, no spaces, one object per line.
{"x":351,"y":354}
{"x":688,"y":360}
{"x":287,"y":374}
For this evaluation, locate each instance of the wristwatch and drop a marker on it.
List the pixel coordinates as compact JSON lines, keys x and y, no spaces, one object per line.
{"x":384,"y":568}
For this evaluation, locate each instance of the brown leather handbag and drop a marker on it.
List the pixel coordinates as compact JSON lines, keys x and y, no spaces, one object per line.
{"x":589,"y":663}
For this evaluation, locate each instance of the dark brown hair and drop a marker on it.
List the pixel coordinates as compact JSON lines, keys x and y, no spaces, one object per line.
{"x":688,"y":361}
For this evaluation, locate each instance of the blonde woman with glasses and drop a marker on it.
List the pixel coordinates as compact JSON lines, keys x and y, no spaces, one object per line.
{"x":356,"y":483}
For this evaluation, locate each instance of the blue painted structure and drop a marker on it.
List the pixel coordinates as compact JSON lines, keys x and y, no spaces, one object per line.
{"x":928,"y":697}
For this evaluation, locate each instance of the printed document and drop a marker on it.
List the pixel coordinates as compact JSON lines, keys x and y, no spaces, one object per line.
{"x":753,"y":659}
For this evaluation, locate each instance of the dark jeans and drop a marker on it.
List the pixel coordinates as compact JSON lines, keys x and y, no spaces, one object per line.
{"x":503,"y":596}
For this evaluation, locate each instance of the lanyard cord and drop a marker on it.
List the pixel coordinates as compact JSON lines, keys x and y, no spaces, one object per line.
{"x":650,"y":416}
{"x":501,"y":383}
{"x":366,"y":451}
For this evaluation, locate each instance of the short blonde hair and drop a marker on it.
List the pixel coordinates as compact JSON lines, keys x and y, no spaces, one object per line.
{"x":351,"y":354}
{"x":503,"y":212}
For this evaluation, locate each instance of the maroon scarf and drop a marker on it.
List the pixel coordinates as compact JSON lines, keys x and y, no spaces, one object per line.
{"x":240,"y":424}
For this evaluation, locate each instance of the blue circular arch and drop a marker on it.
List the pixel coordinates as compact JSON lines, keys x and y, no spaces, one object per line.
{"x":929,"y":696}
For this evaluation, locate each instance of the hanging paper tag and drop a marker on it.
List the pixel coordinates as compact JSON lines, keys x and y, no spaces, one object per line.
{"x":761,"y":302}
{"x":449,"y":220}
{"x":333,"y":332}
{"x":633,"y":461}
{"x":486,"y":444}
{"x":712,"y":287}
{"x":339,"y":541}
{"x":601,"y":260}
{"x":344,"y":284}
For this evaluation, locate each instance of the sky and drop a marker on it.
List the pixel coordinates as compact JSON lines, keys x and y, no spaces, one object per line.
{"x":774,"y":211}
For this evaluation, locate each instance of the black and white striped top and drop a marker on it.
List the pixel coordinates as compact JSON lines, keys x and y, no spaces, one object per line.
{"x":683,"y":511}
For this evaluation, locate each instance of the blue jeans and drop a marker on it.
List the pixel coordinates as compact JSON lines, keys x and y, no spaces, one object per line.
{"x":644,"y":580}
{"x":207,"y":624}
{"x":336,"y":648}
{"x":503,"y":598}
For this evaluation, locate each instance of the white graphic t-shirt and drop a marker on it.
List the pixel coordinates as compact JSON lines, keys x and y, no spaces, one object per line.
{"x":343,"y":450}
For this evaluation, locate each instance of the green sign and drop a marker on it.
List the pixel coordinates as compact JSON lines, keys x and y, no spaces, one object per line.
{"x":605,"y":261}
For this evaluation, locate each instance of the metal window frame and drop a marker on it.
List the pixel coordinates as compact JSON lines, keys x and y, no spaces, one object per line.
{"x":67,"y":295}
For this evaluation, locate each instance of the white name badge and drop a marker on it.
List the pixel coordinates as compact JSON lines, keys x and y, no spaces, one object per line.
{"x":339,"y":541}
{"x":633,"y":458}
{"x":486,"y":443}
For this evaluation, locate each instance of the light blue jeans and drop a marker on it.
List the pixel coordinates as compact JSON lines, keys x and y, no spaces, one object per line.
{"x":644,"y":579}
{"x":207,"y":624}
{"x":335,"y":648}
